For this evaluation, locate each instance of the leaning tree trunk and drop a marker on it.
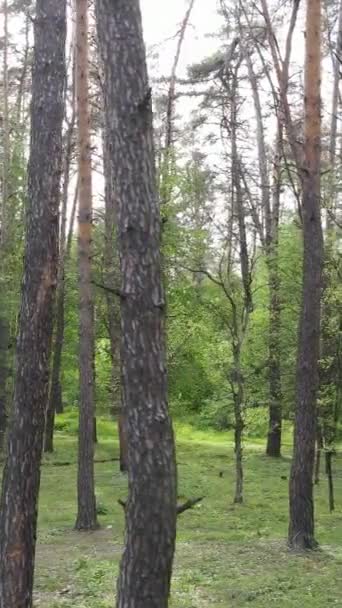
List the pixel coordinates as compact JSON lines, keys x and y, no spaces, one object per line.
{"x":86,"y":516}
{"x":146,"y":565}
{"x":20,"y":487}
{"x":301,"y":527}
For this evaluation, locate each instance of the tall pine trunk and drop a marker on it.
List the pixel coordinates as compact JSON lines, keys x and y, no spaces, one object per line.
{"x":21,"y":478}
{"x":86,"y":516}
{"x":301,"y":526}
{"x":146,"y":566}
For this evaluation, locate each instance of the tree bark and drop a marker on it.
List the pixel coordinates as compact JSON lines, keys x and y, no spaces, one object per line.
{"x":4,"y":340}
{"x":328,"y":465}
{"x":86,"y":516}
{"x":273,"y":447}
{"x":55,"y":403}
{"x":301,"y":526}
{"x":146,"y":566}
{"x":20,"y":486}
{"x":112,"y":277}
{"x":4,"y":328}
{"x":269,"y":239}
{"x":239,"y":424}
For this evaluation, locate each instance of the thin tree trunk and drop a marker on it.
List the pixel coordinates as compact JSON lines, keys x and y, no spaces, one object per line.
{"x":86,"y":516}
{"x":20,"y":486}
{"x":146,"y":566}
{"x":239,"y":426}
{"x":270,"y":243}
{"x":167,"y":159}
{"x":319,"y":448}
{"x":328,"y":465}
{"x":55,"y":403}
{"x":273,"y":448}
{"x":301,"y":527}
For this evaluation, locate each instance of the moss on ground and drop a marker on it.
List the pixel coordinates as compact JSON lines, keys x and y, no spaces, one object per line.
{"x":227,"y":556}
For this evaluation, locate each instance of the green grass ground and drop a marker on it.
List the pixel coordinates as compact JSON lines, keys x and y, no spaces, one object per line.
{"x":227,"y":556}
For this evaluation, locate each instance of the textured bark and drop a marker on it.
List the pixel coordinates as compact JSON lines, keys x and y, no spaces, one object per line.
{"x":145,"y":572}
{"x":112,"y":278}
{"x":20,"y":487}
{"x":86,"y":516}
{"x":55,"y":403}
{"x":301,"y":527}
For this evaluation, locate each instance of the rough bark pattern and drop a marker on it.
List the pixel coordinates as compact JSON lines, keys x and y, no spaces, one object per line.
{"x":20,"y":487}
{"x":86,"y":516}
{"x":111,"y":272}
{"x":145,"y":572}
{"x":301,"y":527}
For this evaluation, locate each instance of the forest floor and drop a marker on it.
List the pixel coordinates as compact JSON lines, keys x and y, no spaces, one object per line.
{"x":227,"y":556}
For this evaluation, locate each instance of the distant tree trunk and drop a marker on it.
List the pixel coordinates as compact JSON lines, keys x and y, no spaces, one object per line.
{"x":328,"y":466}
{"x":165,"y":186}
{"x":55,"y":403}
{"x":301,"y":527}
{"x":146,"y":567}
{"x":273,"y":448}
{"x":238,"y":396}
{"x":112,"y":278}
{"x":20,"y":486}
{"x":86,"y":516}
{"x":269,"y":239}
{"x":319,"y":448}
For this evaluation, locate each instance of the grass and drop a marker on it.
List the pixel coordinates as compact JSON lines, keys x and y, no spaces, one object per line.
{"x":227,"y":556}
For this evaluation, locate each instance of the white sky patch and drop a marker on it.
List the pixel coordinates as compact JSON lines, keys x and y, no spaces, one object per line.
{"x":162,"y":18}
